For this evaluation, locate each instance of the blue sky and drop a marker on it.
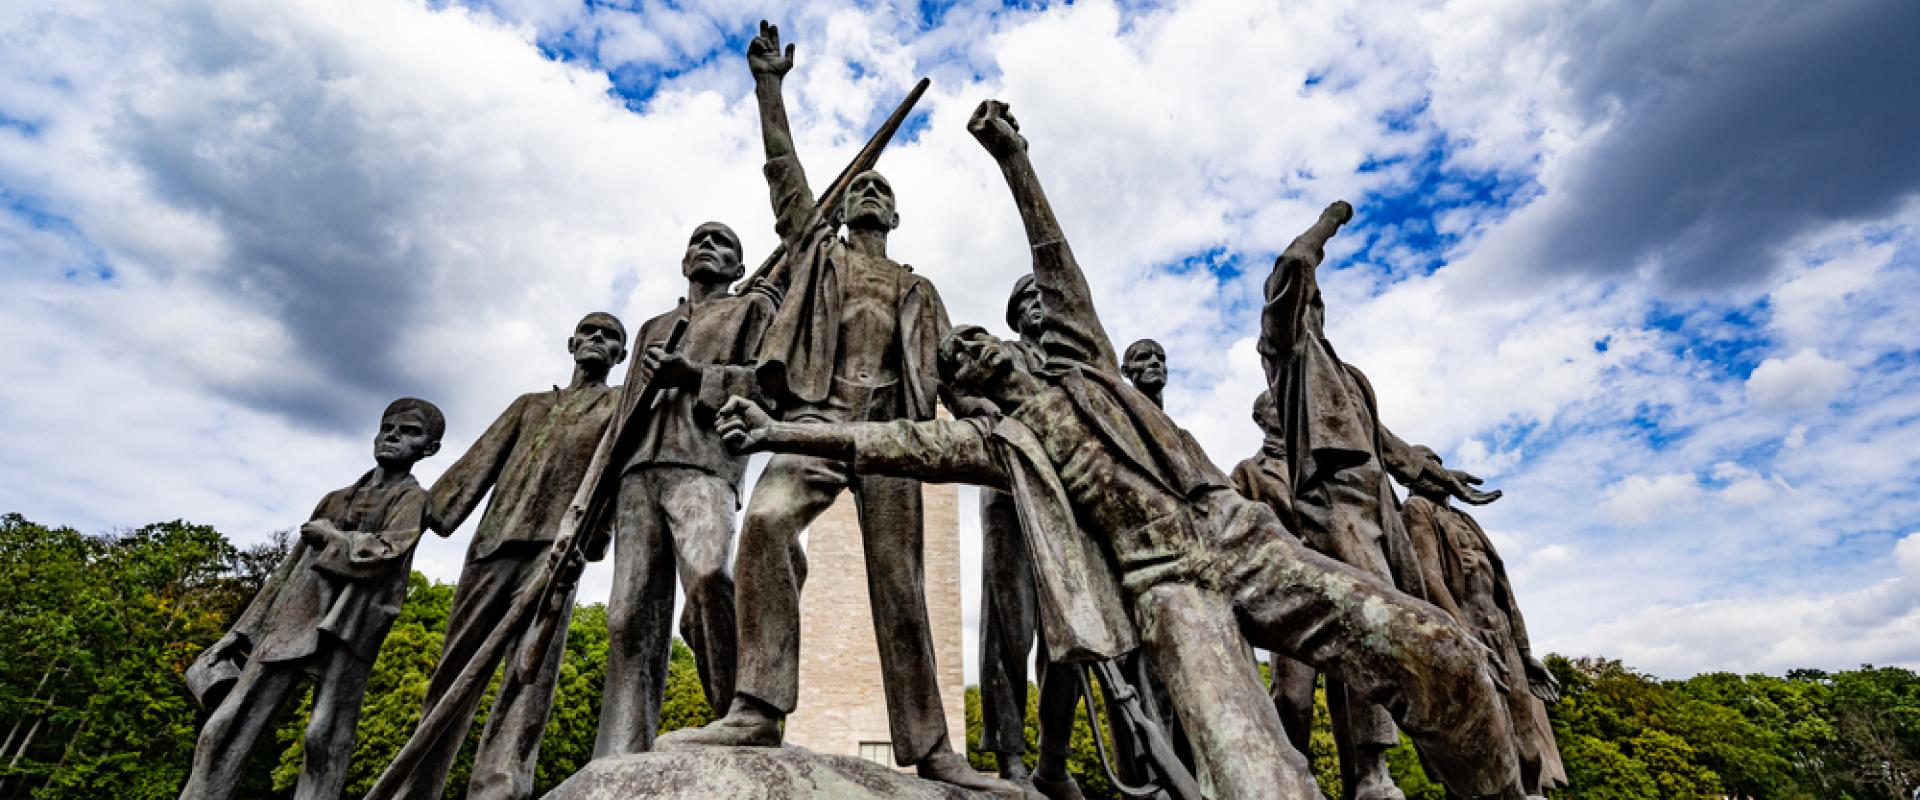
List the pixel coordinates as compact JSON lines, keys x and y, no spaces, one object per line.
{"x":1648,"y":267}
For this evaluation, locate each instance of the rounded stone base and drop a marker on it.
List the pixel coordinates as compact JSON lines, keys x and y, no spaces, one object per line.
{"x":748,"y":773}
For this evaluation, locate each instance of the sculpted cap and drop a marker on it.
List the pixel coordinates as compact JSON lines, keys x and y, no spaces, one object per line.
{"x":1022,"y":289}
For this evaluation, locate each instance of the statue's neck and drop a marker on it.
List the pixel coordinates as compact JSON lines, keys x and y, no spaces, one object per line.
{"x":868,"y":241}
{"x":585,"y":376}
{"x":698,"y":292}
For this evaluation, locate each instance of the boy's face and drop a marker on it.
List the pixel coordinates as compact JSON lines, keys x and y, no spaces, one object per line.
{"x":403,"y":439}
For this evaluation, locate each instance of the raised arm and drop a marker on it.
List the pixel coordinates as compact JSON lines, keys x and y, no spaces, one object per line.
{"x":1072,"y":329}
{"x":786,"y":180}
{"x":1293,"y":306}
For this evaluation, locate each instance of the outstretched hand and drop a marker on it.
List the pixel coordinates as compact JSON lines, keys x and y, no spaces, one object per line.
{"x":743,"y":425}
{"x":993,"y":124}
{"x":1541,"y":683}
{"x":1460,"y":483}
{"x":1340,"y":212}
{"x":764,"y":56}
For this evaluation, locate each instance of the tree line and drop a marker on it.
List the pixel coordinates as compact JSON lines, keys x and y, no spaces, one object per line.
{"x":96,"y":631}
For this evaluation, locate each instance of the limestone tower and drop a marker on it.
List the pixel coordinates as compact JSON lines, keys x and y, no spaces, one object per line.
{"x":843,"y":709}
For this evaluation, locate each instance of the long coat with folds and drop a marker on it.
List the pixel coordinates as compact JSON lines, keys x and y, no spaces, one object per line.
{"x":798,"y":352}
{"x":349,"y":590}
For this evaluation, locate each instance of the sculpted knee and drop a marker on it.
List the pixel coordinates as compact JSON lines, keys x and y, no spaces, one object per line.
{"x":708,"y":586}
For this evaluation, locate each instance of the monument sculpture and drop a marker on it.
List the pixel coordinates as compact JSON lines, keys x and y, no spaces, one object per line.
{"x":323,"y":613}
{"x":1145,"y":365}
{"x":531,"y":459}
{"x":1087,"y":456}
{"x":1265,"y":478}
{"x":853,"y":340}
{"x":1009,"y":615}
{"x":1466,"y":578}
{"x":678,"y":491}
{"x":1341,"y":457}
{"x":1110,"y":539}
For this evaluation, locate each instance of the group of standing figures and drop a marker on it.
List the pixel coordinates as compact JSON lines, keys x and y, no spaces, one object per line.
{"x":1111,"y":540}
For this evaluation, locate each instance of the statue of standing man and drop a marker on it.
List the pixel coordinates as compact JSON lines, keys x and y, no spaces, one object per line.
{"x":678,"y":491}
{"x":1341,"y":457}
{"x":854,"y":340}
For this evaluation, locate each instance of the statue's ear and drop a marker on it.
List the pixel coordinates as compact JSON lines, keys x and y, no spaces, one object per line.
{"x":431,"y":448}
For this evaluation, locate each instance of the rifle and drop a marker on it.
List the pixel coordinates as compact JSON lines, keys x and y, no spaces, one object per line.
{"x":827,"y":206}
{"x":1166,"y":776}
{"x":534,"y":650}
{"x":561,"y":568}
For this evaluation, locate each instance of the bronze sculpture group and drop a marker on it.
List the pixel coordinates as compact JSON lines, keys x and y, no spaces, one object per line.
{"x":1110,"y":539}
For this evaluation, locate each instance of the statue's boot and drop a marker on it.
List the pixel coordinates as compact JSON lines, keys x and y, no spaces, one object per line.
{"x":948,"y":767}
{"x":748,"y":723}
{"x":1062,"y":789}
{"x":1377,"y":783}
{"x":1011,"y":766}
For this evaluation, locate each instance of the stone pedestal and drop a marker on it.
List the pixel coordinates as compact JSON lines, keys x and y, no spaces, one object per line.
{"x":747,"y":773}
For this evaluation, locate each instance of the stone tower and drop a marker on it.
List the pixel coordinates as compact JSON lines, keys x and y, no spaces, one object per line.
{"x":843,"y":709}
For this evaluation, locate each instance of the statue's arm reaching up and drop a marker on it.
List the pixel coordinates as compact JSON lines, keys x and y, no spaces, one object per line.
{"x":1072,"y":328}
{"x":1292,"y":310}
{"x":786,"y":180}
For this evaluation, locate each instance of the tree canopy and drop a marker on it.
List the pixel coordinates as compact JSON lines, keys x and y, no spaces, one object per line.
{"x":100,"y":628}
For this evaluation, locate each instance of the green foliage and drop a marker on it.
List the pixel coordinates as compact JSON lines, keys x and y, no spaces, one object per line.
{"x":99,"y":629}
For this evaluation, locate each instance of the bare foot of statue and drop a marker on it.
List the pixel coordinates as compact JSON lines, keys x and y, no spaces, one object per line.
{"x":946,"y":766}
{"x":748,"y":723}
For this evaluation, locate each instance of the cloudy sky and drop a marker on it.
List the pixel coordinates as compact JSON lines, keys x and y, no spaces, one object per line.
{"x":1653,"y":268}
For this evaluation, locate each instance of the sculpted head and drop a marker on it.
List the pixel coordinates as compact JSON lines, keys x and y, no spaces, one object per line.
{"x":598,"y":342}
{"x":869,"y":203}
{"x":1145,"y":364}
{"x":1024,"y":313}
{"x":1266,"y":414}
{"x":975,"y":363}
{"x":410,"y":430}
{"x":713,"y":255}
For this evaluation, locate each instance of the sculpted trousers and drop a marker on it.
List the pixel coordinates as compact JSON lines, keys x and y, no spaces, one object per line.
{"x":668,"y":517}
{"x":1387,"y":648}
{"x":510,"y":745}
{"x":1346,"y":517}
{"x":236,"y":726}
{"x":1292,"y":694}
{"x":1009,"y":624}
{"x":772,"y":567}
